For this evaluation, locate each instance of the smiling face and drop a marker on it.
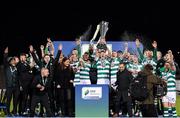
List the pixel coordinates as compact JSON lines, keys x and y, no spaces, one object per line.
{"x":121,"y":67}
{"x":102,"y":54}
{"x":114,"y":54}
{"x":66,"y":63}
{"x":85,"y":57}
{"x":167,"y":57}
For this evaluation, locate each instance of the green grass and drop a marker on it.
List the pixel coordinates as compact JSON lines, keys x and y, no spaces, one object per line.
{"x":178,"y":105}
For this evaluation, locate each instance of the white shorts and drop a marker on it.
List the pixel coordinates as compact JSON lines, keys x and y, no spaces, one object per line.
{"x":103,"y":81}
{"x":170,"y":97}
{"x":85,"y":82}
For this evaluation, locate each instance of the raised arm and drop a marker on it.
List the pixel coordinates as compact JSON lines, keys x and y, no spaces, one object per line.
{"x":78,"y":47}
{"x":46,"y":50}
{"x":33,"y":53}
{"x":42,"y":50}
{"x":173,"y":67}
{"x":138,"y":49}
{"x":125,"y":48}
{"x":51,"y":45}
{"x":58,"y":53}
{"x":154,"y":44}
{"x":5,"y":62}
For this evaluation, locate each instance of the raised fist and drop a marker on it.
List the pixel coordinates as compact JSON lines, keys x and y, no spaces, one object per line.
{"x":60,"y":47}
{"x":42,"y":47}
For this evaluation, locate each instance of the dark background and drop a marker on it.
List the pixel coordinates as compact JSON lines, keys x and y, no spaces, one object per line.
{"x":31,"y":23}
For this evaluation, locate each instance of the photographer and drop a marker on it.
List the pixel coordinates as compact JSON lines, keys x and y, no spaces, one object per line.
{"x":147,"y":106}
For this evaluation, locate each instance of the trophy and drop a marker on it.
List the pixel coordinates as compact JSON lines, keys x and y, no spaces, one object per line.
{"x":101,"y":44}
{"x":95,"y":34}
{"x":103,"y":28}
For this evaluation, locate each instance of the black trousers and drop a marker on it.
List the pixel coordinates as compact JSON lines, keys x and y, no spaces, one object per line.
{"x":65,"y":101}
{"x":26,"y":96}
{"x":42,"y":99}
{"x":20,"y":102}
{"x":124,"y":102}
{"x":12,"y":92}
{"x":148,"y":110}
{"x":51,"y":97}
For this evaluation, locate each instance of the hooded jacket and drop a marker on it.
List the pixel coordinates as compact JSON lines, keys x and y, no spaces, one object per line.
{"x":151,"y":81}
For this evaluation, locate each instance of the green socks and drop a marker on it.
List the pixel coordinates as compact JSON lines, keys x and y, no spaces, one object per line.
{"x":169,"y":110}
{"x":174,"y":112}
{"x":166,"y":112}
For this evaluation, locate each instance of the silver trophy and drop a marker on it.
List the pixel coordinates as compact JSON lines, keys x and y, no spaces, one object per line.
{"x":103,"y":28}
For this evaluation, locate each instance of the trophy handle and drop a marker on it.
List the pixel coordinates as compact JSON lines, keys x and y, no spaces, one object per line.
{"x":95,"y":34}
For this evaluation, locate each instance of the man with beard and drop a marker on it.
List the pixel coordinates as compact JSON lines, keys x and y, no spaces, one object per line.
{"x":124,"y":78}
{"x":25,"y":75}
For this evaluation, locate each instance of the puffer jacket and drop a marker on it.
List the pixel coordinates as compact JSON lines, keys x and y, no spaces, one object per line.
{"x":151,"y":81}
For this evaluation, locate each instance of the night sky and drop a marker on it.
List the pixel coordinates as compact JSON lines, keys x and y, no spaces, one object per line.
{"x":22,"y":25}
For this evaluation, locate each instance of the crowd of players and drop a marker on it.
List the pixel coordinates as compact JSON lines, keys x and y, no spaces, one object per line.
{"x":44,"y":84}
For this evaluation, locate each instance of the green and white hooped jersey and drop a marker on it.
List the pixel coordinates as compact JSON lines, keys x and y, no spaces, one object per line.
{"x":171,"y":83}
{"x":114,"y":69}
{"x":134,"y":67}
{"x":164,"y":75}
{"x":77,"y":77}
{"x":84,"y":72}
{"x":103,"y":69}
{"x":170,"y":77}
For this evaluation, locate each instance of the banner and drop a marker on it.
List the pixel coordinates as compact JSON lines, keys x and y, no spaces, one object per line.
{"x":92,"y":101}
